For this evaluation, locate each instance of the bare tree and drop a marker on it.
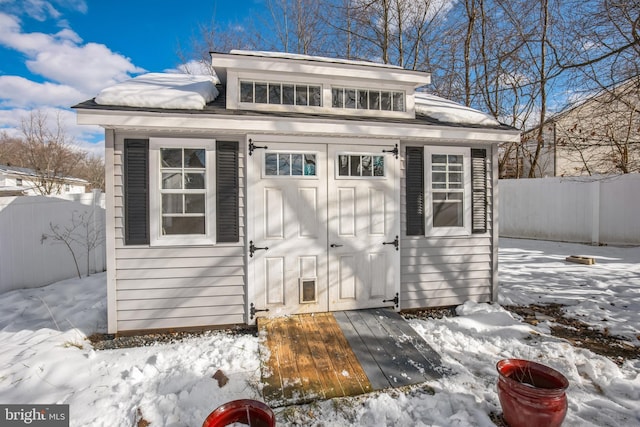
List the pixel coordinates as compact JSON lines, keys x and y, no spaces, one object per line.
{"x":9,"y":149}
{"x":65,"y":235}
{"x":298,"y":26}
{"x":471,"y":9}
{"x":211,"y":37}
{"x":82,"y":231}
{"x":48,"y":151}
{"x":516,"y":59}
{"x":91,"y":168}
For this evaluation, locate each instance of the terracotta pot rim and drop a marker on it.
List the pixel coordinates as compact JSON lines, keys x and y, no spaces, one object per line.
{"x":238,"y":410}
{"x":558,"y":376}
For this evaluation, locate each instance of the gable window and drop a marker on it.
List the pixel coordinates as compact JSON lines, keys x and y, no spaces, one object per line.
{"x":182,"y":203}
{"x":367,"y":99}
{"x":18,"y":182}
{"x":280,"y":93}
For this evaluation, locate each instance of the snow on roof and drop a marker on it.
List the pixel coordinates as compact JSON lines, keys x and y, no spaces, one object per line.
{"x":309,"y":58}
{"x":448,"y":111}
{"x":162,"y":90}
{"x":20,"y":171}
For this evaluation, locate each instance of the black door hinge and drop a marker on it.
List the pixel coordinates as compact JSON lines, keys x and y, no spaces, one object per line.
{"x":252,"y":147}
{"x":253,"y":311}
{"x":395,"y":300}
{"x":395,"y":151}
{"x":253,"y":248}
{"x":395,"y":243}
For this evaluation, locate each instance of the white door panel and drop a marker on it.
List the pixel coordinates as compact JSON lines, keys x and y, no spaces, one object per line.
{"x":325,"y":229}
{"x":289,"y":218}
{"x":363,"y":214}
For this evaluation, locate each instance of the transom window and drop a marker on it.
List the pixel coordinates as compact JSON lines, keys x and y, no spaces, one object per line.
{"x":280,"y":93}
{"x":360,"y":165}
{"x":367,"y":99}
{"x":290,"y":164}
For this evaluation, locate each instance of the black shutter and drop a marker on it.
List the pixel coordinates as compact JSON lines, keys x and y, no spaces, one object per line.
{"x":479,"y":190}
{"x":227,"y":197}
{"x":415,"y":191}
{"x":136,"y":191}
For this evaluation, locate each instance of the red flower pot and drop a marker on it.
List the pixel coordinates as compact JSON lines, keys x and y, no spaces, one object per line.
{"x":531,"y":394}
{"x":246,"y":411}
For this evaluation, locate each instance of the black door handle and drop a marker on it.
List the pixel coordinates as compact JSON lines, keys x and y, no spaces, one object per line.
{"x":333,"y":245}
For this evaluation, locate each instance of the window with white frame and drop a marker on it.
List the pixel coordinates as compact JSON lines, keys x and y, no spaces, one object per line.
{"x":291,"y":164}
{"x":448,"y":191}
{"x":280,"y":93}
{"x":181,"y":194}
{"x":367,"y":99}
{"x":360,"y":165}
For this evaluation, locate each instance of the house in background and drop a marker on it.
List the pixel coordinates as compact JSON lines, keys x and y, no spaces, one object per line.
{"x":17,"y":181}
{"x":598,"y":136}
{"x":292,"y":184}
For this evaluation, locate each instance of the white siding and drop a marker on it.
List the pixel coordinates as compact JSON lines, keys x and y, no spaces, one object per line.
{"x":442,"y":271}
{"x":177,"y":286}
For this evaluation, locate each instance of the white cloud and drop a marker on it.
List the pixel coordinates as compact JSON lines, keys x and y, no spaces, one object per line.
{"x":41,"y":10}
{"x":90,"y":67}
{"x":93,"y":148}
{"x":62,"y":58}
{"x":77,"y":5}
{"x":20,"y":92}
{"x":70,"y":70}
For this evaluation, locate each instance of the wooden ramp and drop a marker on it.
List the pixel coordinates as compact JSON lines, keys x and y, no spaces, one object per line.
{"x":323,"y":355}
{"x":390,"y":351}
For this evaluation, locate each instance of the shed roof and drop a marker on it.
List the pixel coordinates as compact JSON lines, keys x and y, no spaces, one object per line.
{"x":277,"y":62}
{"x":448,"y":114}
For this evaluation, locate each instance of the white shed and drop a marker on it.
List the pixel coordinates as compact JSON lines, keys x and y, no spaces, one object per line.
{"x":292,"y":184}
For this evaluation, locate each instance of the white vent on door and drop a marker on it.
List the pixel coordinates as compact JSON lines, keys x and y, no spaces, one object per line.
{"x":308,"y":290}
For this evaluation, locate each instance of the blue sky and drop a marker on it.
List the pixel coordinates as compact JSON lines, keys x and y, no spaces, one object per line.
{"x":56,"y":53}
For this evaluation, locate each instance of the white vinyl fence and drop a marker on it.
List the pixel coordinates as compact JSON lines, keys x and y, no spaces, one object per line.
{"x":27,"y":260}
{"x":596,"y":210}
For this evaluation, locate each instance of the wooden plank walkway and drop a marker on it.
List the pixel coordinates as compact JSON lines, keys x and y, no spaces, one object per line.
{"x":390,"y":351}
{"x":324,"y":355}
{"x":306,"y":358}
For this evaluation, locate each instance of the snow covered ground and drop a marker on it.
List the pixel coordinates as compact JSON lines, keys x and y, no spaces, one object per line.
{"x":45,"y":358}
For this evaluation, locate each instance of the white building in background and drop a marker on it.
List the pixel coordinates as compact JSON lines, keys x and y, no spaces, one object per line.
{"x":16,"y":181}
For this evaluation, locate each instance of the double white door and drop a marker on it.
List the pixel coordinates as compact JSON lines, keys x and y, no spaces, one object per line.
{"x":324,"y":224}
